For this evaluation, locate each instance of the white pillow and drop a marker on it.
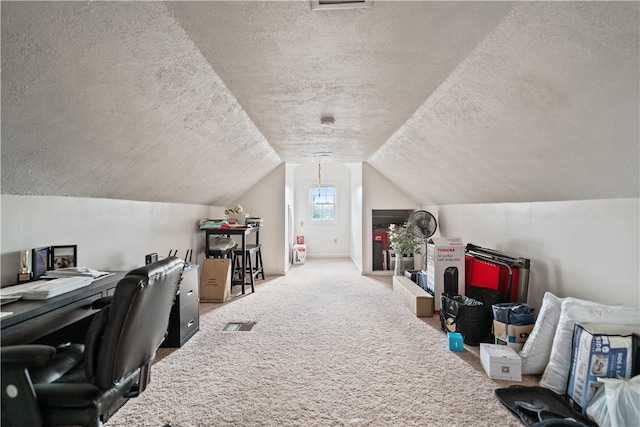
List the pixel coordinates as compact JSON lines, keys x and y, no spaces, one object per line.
{"x":575,"y":311}
{"x":537,"y":348}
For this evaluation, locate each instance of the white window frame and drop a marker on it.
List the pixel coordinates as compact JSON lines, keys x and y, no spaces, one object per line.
{"x":335,"y":204}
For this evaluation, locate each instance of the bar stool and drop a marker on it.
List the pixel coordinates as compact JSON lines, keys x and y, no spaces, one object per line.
{"x":253,"y":267}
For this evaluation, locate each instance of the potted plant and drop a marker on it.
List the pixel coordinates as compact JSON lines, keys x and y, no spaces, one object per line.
{"x":403,"y":240}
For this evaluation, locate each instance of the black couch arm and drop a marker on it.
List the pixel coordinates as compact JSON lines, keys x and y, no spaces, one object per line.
{"x":26,"y":355}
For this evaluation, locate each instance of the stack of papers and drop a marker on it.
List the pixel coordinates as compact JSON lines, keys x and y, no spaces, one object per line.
{"x":15,"y":290}
{"x":75,"y":272}
{"x":43,"y":289}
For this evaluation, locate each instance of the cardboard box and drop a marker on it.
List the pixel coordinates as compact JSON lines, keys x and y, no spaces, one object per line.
{"x":215,"y":280}
{"x":512,"y":335}
{"x":501,"y":362}
{"x":445,"y":267}
{"x":419,"y":301}
{"x":599,"y":351}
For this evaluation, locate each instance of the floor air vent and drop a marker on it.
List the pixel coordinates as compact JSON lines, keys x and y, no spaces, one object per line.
{"x":340,"y":4}
{"x":239,"y":326}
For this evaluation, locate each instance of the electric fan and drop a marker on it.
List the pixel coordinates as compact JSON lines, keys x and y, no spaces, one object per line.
{"x":423,"y":224}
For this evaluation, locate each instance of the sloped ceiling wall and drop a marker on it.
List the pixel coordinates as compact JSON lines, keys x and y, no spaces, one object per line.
{"x":113,"y":100}
{"x":195,"y":102}
{"x":545,"y":108}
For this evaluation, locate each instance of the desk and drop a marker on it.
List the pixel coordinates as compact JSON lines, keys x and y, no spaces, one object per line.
{"x":233,"y":231}
{"x":34,"y":319}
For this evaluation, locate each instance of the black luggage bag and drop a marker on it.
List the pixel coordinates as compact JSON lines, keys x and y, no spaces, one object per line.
{"x":465,"y":315}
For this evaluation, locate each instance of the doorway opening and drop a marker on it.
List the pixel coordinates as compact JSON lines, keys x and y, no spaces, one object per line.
{"x":383,"y":257}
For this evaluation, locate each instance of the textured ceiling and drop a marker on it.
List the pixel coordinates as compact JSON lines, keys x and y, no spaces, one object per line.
{"x":195,"y":102}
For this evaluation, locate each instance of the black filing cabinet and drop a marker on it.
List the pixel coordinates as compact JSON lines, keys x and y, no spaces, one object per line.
{"x":184,"y":320}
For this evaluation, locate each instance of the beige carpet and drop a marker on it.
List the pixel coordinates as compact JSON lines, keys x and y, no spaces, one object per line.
{"x":330,"y":347}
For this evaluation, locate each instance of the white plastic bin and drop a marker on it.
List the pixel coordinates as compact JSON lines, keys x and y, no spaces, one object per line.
{"x":299,"y":254}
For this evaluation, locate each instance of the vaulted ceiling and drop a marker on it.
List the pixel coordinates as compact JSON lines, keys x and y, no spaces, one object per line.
{"x":196,"y":102}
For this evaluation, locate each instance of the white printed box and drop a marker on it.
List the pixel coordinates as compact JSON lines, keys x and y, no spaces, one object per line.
{"x":599,"y":351}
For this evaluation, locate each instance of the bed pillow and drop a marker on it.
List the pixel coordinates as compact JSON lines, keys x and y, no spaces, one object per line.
{"x":575,"y":311}
{"x":537,"y":348}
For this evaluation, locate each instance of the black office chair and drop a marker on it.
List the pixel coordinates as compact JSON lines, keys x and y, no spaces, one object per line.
{"x":84,"y":384}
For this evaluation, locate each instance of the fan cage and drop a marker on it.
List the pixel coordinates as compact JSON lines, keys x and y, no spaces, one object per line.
{"x":418,"y":220}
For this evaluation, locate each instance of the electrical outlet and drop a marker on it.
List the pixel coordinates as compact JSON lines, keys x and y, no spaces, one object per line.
{"x":335,"y":240}
{"x":301,"y":223}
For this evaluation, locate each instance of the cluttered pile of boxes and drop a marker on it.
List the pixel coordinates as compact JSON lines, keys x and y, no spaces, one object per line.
{"x":512,"y":325}
{"x":574,"y":344}
{"x":593,"y":365}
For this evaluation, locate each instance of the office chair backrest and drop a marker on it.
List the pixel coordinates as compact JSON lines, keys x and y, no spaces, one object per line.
{"x":125,"y":335}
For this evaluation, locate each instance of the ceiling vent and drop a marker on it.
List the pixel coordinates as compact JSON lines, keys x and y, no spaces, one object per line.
{"x":340,"y":4}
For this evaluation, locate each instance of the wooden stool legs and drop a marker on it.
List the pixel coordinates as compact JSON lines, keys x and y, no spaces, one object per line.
{"x":253,"y":269}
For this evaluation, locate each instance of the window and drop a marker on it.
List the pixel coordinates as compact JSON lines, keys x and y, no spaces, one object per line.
{"x":323,"y":203}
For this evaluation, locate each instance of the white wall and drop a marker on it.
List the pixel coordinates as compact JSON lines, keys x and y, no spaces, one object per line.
{"x":324,"y":240}
{"x":117,"y":234}
{"x":267,"y":200}
{"x":378,"y":193}
{"x":110,"y":234}
{"x":586,"y":249}
{"x":356,"y":214}
{"x":289,"y":197}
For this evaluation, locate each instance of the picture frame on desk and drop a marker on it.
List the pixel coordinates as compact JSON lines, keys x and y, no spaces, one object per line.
{"x":39,"y":261}
{"x":63,"y":257}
